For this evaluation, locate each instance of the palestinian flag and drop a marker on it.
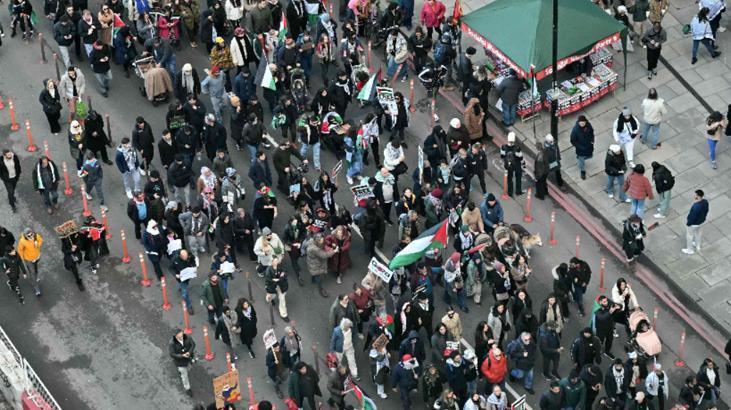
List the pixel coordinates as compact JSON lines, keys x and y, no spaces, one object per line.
{"x":365,"y":402}
{"x":283,"y":28}
{"x":368,"y":92}
{"x":118,"y":24}
{"x":435,"y":237}
{"x":594,"y":308}
{"x":264,"y":76}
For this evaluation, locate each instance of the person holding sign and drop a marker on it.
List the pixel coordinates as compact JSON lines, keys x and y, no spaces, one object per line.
{"x":184,"y":266}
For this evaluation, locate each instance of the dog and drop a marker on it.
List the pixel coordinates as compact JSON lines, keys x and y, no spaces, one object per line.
{"x":528,"y":240}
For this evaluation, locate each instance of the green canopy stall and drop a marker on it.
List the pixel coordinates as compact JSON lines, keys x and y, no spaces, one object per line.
{"x":519,"y":33}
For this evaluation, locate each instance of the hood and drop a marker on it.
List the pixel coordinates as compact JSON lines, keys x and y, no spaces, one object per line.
{"x":492,"y":356}
{"x":413,"y":334}
{"x":120,"y":148}
{"x":554,"y":272}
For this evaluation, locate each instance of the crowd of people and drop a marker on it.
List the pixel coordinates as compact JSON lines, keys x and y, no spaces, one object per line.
{"x":193,"y":209}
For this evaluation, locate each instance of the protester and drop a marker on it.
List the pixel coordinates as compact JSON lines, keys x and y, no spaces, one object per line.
{"x":10,"y":171}
{"x":582,"y":138}
{"x":182,"y":349}
{"x":696,"y":217}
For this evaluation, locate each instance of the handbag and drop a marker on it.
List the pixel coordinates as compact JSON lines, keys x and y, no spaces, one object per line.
{"x":82,"y":109}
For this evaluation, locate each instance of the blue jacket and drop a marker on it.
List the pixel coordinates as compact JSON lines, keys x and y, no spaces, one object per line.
{"x":121,"y":163}
{"x":244,"y":87}
{"x":402,"y":378}
{"x":491,"y":216}
{"x":698,"y":213}
{"x":336,"y":340}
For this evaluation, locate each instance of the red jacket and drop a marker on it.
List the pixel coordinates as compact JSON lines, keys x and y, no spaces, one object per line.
{"x":637,"y":186}
{"x":432,"y":15}
{"x":493,"y":369}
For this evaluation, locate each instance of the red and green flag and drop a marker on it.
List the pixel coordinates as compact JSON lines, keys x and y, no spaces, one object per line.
{"x":434,"y":238}
{"x":365,"y":402}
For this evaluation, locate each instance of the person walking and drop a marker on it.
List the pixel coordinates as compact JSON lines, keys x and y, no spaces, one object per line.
{"x":625,"y":130}
{"x":317,"y":257}
{"x":13,"y":267}
{"x":615,"y":166}
{"x":72,"y":84}
{"x":638,"y":189}
{"x":29,"y":250}
{"x":432,"y":17}
{"x":715,"y":126}
{"x":512,"y":157}
{"x":523,"y":353}
{"x":664,"y":182}
{"x":276,"y":286}
{"x":182,"y":349}
{"x":93,"y":175}
{"x":304,"y":385}
{"x":582,"y":138}
{"x":586,"y":349}
{"x":143,"y":140}
{"x":155,"y":244}
{"x":603,"y":323}
{"x":277,"y":363}
{"x":653,"y":109}
{"x":696,"y":217}
{"x":549,"y":342}
{"x":72,"y":256}
{"x":179,"y":177}
{"x":63,"y":33}
{"x":195,"y":227}
{"x":657,"y":385}
{"x":214,"y":297}
{"x":50,"y":100}
{"x":101,"y":65}
{"x":247,"y":323}
{"x":701,"y":31}
{"x":182,"y":260}
{"x":548,"y":161}
{"x":45,"y":181}
{"x":652,"y":39}
{"x":139,"y":212}
{"x":10,"y":174}
{"x":128,"y":163}
{"x":632,"y":237}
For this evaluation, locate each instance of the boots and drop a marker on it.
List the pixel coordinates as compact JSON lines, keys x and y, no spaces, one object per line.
{"x":583,"y":174}
{"x":323,"y":292}
{"x":80,"y":285}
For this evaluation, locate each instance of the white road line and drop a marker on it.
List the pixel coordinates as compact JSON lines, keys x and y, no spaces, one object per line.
{"x":383,"y":257}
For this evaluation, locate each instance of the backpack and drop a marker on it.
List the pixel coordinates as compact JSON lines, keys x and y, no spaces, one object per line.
{"x":440,"y":52}
{"x":669,"y":182}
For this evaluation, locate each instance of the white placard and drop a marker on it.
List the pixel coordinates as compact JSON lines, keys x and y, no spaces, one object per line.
{"x":380,"y":270}
{"x":174,"y":245}
{"x":188,"y":273}
{"x":227,"y":267}
{"x":270,"y":339}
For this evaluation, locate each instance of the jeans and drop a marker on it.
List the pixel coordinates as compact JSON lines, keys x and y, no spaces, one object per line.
{"x":712,"y":149}
{"x":50,"y":197}
{"x":88,"y":48}
{"x":252,"y":152}
{"x":693,"y":237}
{"x":64,"y":52}
{"x":391,"y":68}
{"x":578,"y":293}
{"x":131,"y":180}
{"x":618,"y":180}
{"x":183,"y":286}
{"x":581,"y":162}
{"x":509,"y":113}
{"x":449,"y":293}
{"x":96,"y":184}
{"x":638,"y":207}
{"x":664,"y":204}
{"x":526,"y":375}
{"x":183,"y":370}
{"x":182,"y":194}
{"x":651,"y":132}
{"x":217,"y":104}
{"x":707,"y":42}
{"x":104,"y":79}
{"x":197,"y":244}
{"x":315,"y":153}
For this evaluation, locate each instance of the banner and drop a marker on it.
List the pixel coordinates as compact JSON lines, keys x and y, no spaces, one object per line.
{"x":380,"y":270}
{"x":226,"y":389}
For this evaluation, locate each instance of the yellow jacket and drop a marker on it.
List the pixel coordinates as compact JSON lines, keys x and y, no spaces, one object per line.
{"x":30,"y":250}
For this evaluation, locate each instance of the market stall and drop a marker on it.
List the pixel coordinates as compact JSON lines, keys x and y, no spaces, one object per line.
{"x":517,"y":34}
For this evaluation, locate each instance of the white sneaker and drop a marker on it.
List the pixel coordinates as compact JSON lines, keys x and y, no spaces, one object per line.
{"x":383,"y":395}
{"x":632,"y":165}
{"x":80,"y":173}
{"x":627,"y":200}
{"x":129,"y":194}
{"x":350,"y":180}
{"x":360,"y":336}
{"x":88,"y":196}
{"x":142,"y":172}
{"x":610,"y":196}
{"x":722,"y":29}
{"x":659,"y":216}
{"x":105,"y":208}
{"x":687,"y":251}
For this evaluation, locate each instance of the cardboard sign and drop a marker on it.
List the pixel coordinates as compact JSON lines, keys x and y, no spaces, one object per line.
{"x":270,"y":339}
{"x":380,"y":270}
{"x":226,"y":389}
{"x":380,"y":342}
{"x":362,"y":192}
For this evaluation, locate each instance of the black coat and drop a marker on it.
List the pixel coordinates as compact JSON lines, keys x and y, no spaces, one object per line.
{"x":98,"y":142}
{"x":179,"y":175}
{"x":247,"y":325}
{"x":133,"y":213}
{"x":583,"y":140}
{"x":176,"y":350}
{"x":143,"y":140}
{"x":181,"y":92}
{"x":260,"y":173}
{"x":214,"y":138}
{"x":167,"y":151}
{"x":51,"y":103}
{"x":4,"y":175}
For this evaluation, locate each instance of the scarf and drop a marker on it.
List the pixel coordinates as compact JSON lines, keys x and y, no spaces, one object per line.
{"x":188,"y":83}
{"x":618,"y":378}
{"x":247,"y":313}
{"x":130,"y":158}
{"x":208,"y":180}
{"x":299,"y":8}
{"x":387,"y":180}
{"x":242,"y":47}
{"x":292,"y":344}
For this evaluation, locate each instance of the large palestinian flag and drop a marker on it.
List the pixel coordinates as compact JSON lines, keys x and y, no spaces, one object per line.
{"x":365,"y":402}
{"x":435,"y":237}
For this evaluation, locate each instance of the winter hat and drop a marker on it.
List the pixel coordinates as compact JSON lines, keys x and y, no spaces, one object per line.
{"x":455,"y":257}
{"x":210,"y":118}
{"x":549,"y":138}
{"x":215,"y":70}
{"x":436,"y":193}
{"x":266,"y":231}
{"x":632,"y":355}
{"x":626,"y":111}
{"x":614,"y":148}
{"x":75,"y":127}
{"x":490,"y":197}
{"x":187,"y":68}
{"x":622,"y":10}
{"x":219,"y":40}
{"x":469,"y":354}
{"x":511,"y":136}
{"x":464,"y":228}
{"x":151,"y":224}
{"x":406,"y":357}
{"x":455,"y":123}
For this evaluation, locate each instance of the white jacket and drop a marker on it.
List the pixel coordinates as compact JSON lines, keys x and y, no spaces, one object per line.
{"x":237,"y":54}
{"x":66,"y":86}
{"x":619,"y":299}
{"x":275,"y":249}
{"x":653,"y":110}
{"x":233,"y":12}
{"x":652,"y":384}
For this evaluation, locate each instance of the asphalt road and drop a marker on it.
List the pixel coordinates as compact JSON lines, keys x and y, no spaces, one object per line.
{"x":106,"y":348}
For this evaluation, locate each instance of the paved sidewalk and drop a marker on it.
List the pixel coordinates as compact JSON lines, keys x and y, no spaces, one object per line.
{"x":704,"y":276}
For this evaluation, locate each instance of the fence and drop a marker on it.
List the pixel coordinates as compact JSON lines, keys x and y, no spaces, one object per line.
{"x":20,"y":385}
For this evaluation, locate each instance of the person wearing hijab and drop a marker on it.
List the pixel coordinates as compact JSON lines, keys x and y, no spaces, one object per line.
{"x":50,"y":100}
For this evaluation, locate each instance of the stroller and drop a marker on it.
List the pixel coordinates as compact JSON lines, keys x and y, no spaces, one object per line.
{"x":645,"y":340}
{"x":157,"y":85}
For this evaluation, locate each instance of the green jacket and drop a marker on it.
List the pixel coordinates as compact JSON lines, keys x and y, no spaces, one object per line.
{"x":574,"y":394}
{"x":207,"y":293}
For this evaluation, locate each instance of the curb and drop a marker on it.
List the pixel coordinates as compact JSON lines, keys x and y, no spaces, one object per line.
{"x":653,"y":277}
